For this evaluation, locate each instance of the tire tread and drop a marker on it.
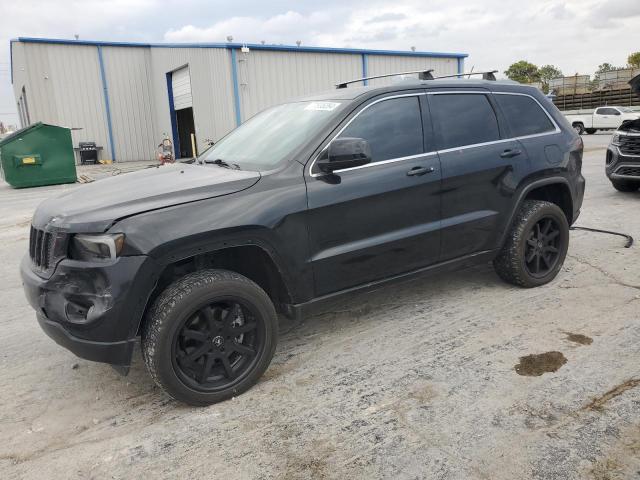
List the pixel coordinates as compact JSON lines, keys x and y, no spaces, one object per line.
{"x":507,"y":264}
{"x":156,"y":317}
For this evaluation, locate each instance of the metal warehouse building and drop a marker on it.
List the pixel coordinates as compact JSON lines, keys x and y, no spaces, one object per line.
{"x":126,"y":96}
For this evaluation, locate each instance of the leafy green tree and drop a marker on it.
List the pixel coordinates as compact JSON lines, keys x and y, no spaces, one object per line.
{"x":523,"y":72}
{"x":546,"y":73}
{"x":634,"y":60}
{"x":606,"y":67}
{"x":602,"y":68}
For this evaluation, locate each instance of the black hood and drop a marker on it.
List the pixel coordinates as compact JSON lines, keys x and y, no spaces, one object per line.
{"x":631,"y":126}
{"x":95,"y":207}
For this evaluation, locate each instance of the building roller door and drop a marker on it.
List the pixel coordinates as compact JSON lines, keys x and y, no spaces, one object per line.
{"x":181,"y":84}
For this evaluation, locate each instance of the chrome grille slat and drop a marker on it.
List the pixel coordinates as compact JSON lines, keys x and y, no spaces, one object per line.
{"x":38,"y":249}
{"x":32,"y":243}
{"x":46,"y":246}
{"x":46,"y":249}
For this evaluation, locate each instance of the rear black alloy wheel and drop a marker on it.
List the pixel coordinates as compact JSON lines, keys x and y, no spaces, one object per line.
{"x":543,"y":247}
{"x":579,"y":128}
{"x":536,"y":246}
{"x":217,"y":345}
{"x":209,"y":336}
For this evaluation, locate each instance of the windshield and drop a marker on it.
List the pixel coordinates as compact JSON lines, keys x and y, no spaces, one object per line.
{"x":268,"y":138}
{"x":625,"y":110}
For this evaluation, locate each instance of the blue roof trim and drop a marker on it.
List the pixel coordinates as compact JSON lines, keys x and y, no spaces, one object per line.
{"x":281,"y":48}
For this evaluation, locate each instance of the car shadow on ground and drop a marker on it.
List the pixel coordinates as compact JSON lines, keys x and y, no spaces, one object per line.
{"x":322,"y":324}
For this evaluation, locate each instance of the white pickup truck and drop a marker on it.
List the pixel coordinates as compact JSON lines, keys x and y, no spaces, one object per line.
{"x":602,"y":118}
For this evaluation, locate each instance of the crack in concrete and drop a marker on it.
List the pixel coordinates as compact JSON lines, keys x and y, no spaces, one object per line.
{"x":598,"y":403}
{"x":609,"y":275}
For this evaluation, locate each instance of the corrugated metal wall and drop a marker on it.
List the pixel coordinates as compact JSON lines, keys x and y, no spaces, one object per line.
{"x":211,"y":89}
{"x":63,"y":87}
{"x":128,"y":75}
{"x":18,"y":74}
{"x":382,"y":64}
{"x":267,"y":78}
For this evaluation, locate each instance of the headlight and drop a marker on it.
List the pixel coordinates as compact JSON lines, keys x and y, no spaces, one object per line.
{"x":96,"y":247}
{"x":615,"y":140}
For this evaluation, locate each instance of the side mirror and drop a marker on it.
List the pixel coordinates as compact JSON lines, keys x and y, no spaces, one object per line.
{"x":345,"y":153}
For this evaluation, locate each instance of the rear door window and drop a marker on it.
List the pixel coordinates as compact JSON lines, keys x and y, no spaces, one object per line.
{"x":392,"y":127}
{"x":524,"y":115}
{"x":464,"y":119}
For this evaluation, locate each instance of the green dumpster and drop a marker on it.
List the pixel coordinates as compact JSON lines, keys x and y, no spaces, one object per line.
{"x":39,"y":154}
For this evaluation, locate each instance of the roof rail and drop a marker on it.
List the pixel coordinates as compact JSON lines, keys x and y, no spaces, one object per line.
{"x":485,"y":75}
{"x":422,"y":75}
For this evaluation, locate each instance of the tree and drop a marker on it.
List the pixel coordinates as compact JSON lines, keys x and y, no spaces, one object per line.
{"x":605,"y":67}
{"x":634,"y":60}
{"x":602,"y":68}
{"x":523,"y":72}
{"x":546,"y":73}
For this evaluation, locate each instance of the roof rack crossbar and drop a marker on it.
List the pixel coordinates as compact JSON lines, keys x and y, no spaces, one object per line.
{"x":422,"y":75}
{"x":485,"y":75}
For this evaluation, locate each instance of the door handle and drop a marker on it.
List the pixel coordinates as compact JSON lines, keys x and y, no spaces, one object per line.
{"x":510,"y":153}
{"x":417,"y":171}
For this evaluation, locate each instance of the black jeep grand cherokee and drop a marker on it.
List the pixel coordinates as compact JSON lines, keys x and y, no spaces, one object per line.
{"x":305,"y":201}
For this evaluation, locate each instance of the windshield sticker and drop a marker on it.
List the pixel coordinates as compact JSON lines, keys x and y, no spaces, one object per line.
{"x":322,"y":106}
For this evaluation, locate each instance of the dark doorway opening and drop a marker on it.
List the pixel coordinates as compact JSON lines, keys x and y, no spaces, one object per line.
{"x":186,"y":127}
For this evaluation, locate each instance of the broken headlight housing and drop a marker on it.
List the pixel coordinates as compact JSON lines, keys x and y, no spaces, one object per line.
{"x":92,"y":248}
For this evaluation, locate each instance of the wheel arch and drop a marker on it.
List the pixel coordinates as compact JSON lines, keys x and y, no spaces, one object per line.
{"x":254,"y":261}
{"x":555,"y":190}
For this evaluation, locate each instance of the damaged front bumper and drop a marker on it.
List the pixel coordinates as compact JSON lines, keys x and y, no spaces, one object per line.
{"x":620,"y":166}
{"x":92,"y":309}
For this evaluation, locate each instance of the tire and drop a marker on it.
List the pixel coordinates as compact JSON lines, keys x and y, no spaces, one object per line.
{"x":591,"y":131}
{"x":200,"y":320}
{"x":625,"y":185}
{"x":579,"y":128}
{"x":526,"y":237}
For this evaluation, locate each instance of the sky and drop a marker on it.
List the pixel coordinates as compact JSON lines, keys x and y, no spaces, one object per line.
{"x":574,"y":35}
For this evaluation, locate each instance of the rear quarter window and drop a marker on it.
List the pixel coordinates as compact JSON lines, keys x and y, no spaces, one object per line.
{"x":524,"y":115}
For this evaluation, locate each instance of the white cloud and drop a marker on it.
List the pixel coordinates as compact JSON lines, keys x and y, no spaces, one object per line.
{"x":575,"y":35}
{"x":91,"y":19}
{"x":282,"y":28}
{"x":612,"y":14}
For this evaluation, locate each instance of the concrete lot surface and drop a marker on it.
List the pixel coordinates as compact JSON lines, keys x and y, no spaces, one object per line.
{"x":416,"y":380}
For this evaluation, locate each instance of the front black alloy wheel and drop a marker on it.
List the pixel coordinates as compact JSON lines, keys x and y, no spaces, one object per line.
{"x":217,"y":345}
{"x":209,"y":336}
{"x":536,"y":246}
